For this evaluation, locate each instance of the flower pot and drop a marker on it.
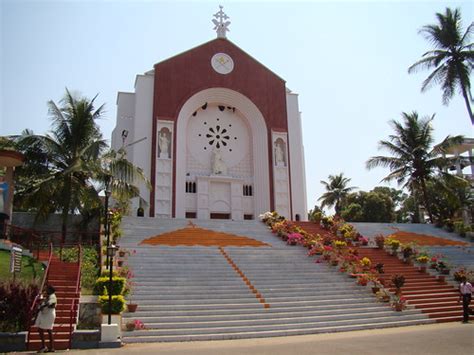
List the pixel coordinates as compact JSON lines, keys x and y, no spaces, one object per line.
{"x":386,"y":298}
{"x":120,"y":263}
{"x":375,"y":289}
{"x":131,"y":307}
{"x":130,"y":326}
{"x":121,"y":254}
{"x":334,"y":262}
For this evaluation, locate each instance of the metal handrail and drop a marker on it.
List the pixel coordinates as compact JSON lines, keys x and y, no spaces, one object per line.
{"x":75,"y":300}
{"x":37,"y":297}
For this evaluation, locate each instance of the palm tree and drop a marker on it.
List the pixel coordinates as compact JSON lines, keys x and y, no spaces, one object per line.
{"x":113,"y":169}
{"x":414,"y":161}
{"x":452,"y":58}
{"x":336,"y":191}
{"x":72,"y":149}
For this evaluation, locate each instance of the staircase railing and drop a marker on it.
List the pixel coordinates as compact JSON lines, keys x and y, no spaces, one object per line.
{"x":73,"y":311}
{"x":38,"y":296}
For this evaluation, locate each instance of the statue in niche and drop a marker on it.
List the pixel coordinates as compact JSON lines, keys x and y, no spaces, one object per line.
{"x":279,"y":154}
{"x":218,"y":164}
{"x":163,"y":144}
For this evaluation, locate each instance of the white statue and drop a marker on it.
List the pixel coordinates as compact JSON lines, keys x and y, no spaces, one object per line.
{"x":279,"y":155}
{"x":163,"y":143}
{"x":218,"y":165}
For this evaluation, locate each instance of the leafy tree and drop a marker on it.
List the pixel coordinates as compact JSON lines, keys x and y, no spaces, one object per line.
{"x":378,"y":207}
{"x":68,"y":167}
{"x":71,"y":149}
{"x":447,"y":196}
{"x":369,"y":206}
{"x":336,"y":191}
{"x":353,"y":213}
{"x":452,"y":57}
{"x":414,"y":160}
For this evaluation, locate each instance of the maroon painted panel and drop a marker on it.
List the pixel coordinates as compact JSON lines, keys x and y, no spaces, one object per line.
{"x":180,"y":77}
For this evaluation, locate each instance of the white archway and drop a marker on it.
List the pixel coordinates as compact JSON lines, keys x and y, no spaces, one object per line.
{"x":259,"y":143}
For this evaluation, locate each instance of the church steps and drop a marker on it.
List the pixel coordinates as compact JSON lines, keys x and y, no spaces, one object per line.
{"x":144,"y":338}
{"x":270,"y":320}
{"x":269,"y":296}
{"x":196,"y":293}
{"x":282,"y":329}
{"x":223,"y":292}
{"x":251,"y":313}
{"x":245,"y":297}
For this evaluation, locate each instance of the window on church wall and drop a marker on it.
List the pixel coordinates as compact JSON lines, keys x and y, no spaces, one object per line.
{"x":247,"y":190}
{"x":191,"y":187}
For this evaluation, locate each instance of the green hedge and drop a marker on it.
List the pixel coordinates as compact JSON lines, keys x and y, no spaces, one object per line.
{"x":118,"y":304}
{"x":101,"y":286}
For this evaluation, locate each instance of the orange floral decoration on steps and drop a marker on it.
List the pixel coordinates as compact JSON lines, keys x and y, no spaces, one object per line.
{"x":195,"y":236}
{"x":423,"y":239}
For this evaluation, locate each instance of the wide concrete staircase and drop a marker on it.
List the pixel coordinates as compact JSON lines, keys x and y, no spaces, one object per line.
{"x":439,"y":300}
{"x":201,"y":293}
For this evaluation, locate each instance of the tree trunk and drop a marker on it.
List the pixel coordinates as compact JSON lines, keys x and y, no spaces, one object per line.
{"x":425,"y":198}
{"x":468,"y":105}
{"x":467,"y":99}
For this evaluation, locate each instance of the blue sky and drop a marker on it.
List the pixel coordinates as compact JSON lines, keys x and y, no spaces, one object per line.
{"x":347,"y":60}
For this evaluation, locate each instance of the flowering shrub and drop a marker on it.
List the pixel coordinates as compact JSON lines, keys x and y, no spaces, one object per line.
{"x":339,"y":244}
{"x":269,"y":218}
{"x":134,"y":325}
{"x":295,"y":239}
{"x":463,"y":272}
{"x":347,"y":231}
{"x":363,"y":240}
{"x":392,"y":243}
{"x":362,"y":279}
{"x":316,"y":249}
{"x":365,"y":262}
{"x":327,"y":222}
{"x":422,"y":259}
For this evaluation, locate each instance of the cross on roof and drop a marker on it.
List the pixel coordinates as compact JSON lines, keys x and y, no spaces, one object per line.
{"x":221,"y":27}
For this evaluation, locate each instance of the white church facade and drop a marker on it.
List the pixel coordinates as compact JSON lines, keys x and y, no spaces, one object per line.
{"x":218,"y":135}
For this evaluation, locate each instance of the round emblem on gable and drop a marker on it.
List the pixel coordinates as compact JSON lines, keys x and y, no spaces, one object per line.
{"x":222,"y":63}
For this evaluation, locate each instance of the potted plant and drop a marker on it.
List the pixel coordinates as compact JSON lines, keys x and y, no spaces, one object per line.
{"x":398,"y":281}
{"x":376,"y":284}
{"x":442,"y":267}
{"x":383,"y":295}
{"x":422,"y":259}
{"x":365,"y":263}
{"x":379,"y":241}
{"x":407,"y":251}
{"x":362,"y":279}
{"x":398,"y":303}
{"x":131,"y":307}
{"x":379,"y":268}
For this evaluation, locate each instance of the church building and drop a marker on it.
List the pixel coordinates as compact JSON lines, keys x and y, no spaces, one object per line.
{"x":217,"y":133}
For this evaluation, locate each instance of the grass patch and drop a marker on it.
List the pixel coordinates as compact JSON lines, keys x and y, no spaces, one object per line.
{"x":30,"y":268}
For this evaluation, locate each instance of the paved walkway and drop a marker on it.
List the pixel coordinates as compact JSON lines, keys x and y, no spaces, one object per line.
{"x":448,"y":338}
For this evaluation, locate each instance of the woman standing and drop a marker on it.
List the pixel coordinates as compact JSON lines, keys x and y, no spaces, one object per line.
{"x":45,"y":318}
